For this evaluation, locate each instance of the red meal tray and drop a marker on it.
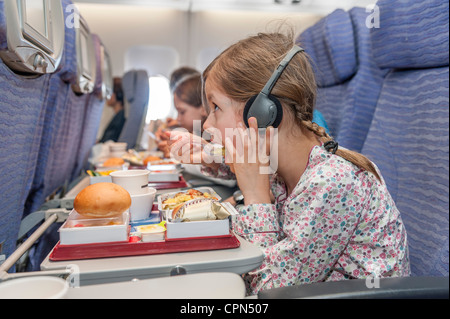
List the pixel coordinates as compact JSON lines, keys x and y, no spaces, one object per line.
{"x":169,"y":185}
{"x":124,"y":249}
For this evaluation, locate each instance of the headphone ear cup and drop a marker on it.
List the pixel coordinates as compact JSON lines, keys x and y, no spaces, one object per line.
{"x":279,"y":110}
{"x":279,"y":116}
{"x":247,"y":107}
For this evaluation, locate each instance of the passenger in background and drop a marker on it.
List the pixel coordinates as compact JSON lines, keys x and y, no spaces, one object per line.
{"x":331,"y":216}
{"x":185,"y":85}
{"x":116,"y":102}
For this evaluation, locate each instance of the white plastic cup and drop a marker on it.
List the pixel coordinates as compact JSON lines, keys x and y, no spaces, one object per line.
{"x":141,"y":205}
{"x":135,"y":181}
{"x":39,"y":287}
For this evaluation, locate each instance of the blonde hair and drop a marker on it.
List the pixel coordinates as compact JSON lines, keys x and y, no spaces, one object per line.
{"x":243,"y":69}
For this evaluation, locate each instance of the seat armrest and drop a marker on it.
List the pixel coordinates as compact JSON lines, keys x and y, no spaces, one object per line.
{"x":384,"y":288}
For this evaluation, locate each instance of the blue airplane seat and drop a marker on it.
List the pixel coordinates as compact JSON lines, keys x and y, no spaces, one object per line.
{"x":135,"y":85}
{"x":21,"y":128}
{"x":69,"y":116}
{"x":49,"y":176}
{"x":59,"y":149}
{"x":334,"y":61}
{"x":93,"y":114}
{"x":409,"y":135}
{"x":348,"y":82}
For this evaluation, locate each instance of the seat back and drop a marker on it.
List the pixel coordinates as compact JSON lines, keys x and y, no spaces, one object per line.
{"x":409,"y":135}
{"x":135,"y":85}
{"x":93,"y":113}
{"x":348,"y":80}
{"x":64,"y":118}
{"x":69,"y":131}
{"x":330,"y":45}
{"x":22,"y":105}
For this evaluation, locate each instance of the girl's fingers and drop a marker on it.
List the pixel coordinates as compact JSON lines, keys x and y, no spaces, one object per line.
{"x":253,"y":141}
{"x":229,"y":150}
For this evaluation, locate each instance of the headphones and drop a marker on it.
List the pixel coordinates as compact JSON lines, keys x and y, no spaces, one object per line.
{"x":265,"y":107}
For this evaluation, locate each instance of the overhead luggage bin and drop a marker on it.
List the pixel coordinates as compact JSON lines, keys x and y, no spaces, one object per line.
{"x":35,"y":36}
{"x":86,"y":64}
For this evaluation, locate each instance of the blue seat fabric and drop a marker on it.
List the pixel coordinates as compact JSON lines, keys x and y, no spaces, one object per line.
{"x":409,"y":135}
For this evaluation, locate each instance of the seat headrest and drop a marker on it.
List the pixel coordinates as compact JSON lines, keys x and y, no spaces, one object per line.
{"x":69,"y":66}
{"x":135,"y":82}
{"x":331,"y":45}
{"x":412,"y":34}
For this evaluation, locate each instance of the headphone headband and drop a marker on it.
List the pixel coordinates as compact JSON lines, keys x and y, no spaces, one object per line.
{"x":183,"y":79}
{"x":266,"y":108}
{"x":279,"y":70}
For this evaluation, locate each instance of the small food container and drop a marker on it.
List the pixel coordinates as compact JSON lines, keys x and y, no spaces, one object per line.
{"x":163,"y":197}
{"x":78,"y":229}
{"x":141,"y":204}
{"x":117,"y":149}
{"x":151,"y":233}
{"x":200,"y":218}
{"x":164,"y":173}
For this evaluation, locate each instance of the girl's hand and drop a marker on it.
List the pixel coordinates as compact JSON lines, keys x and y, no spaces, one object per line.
{"x":250,"y":162}
{"x":190,"y":149}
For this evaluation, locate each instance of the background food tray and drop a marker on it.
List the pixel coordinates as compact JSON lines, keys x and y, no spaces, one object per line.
{"x":181,"y":183}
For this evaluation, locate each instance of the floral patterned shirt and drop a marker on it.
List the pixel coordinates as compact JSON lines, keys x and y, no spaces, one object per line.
{"x":339,"y":223}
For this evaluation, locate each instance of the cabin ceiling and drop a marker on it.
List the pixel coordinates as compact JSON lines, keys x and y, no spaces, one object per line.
{"x":322,"y":7}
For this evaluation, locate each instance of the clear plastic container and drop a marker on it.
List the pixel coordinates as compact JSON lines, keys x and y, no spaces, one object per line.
{"x":78,"y":229}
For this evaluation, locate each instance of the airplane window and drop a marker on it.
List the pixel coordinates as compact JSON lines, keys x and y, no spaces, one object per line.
{"x":160,"y":101}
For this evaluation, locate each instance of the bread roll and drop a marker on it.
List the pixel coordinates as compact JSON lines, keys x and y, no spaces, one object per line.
{"x":151,"y":159}
{"x":113,"y":161}
{"x":102,"y":200}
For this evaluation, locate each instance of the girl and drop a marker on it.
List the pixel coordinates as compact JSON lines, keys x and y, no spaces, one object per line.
{"x":186,"y":86}
{"x":332,"y":217}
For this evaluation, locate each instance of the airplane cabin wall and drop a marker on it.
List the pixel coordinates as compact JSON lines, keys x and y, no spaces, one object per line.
{"x":122,"y":27}
{"x":220,"y":29}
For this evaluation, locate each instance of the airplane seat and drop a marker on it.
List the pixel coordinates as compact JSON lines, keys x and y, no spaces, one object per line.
{"x":409,"y":135}
{"x":69,"y":120}
{"x":44,"y":182}
{"x":66,"y":110}
{"x":365,"y":87}
{"x":330,"y":45}
{"x":94,"y":109}
{"x":25,"y":77}
{"x":135,"y":85}
{"x":348,"y":82}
